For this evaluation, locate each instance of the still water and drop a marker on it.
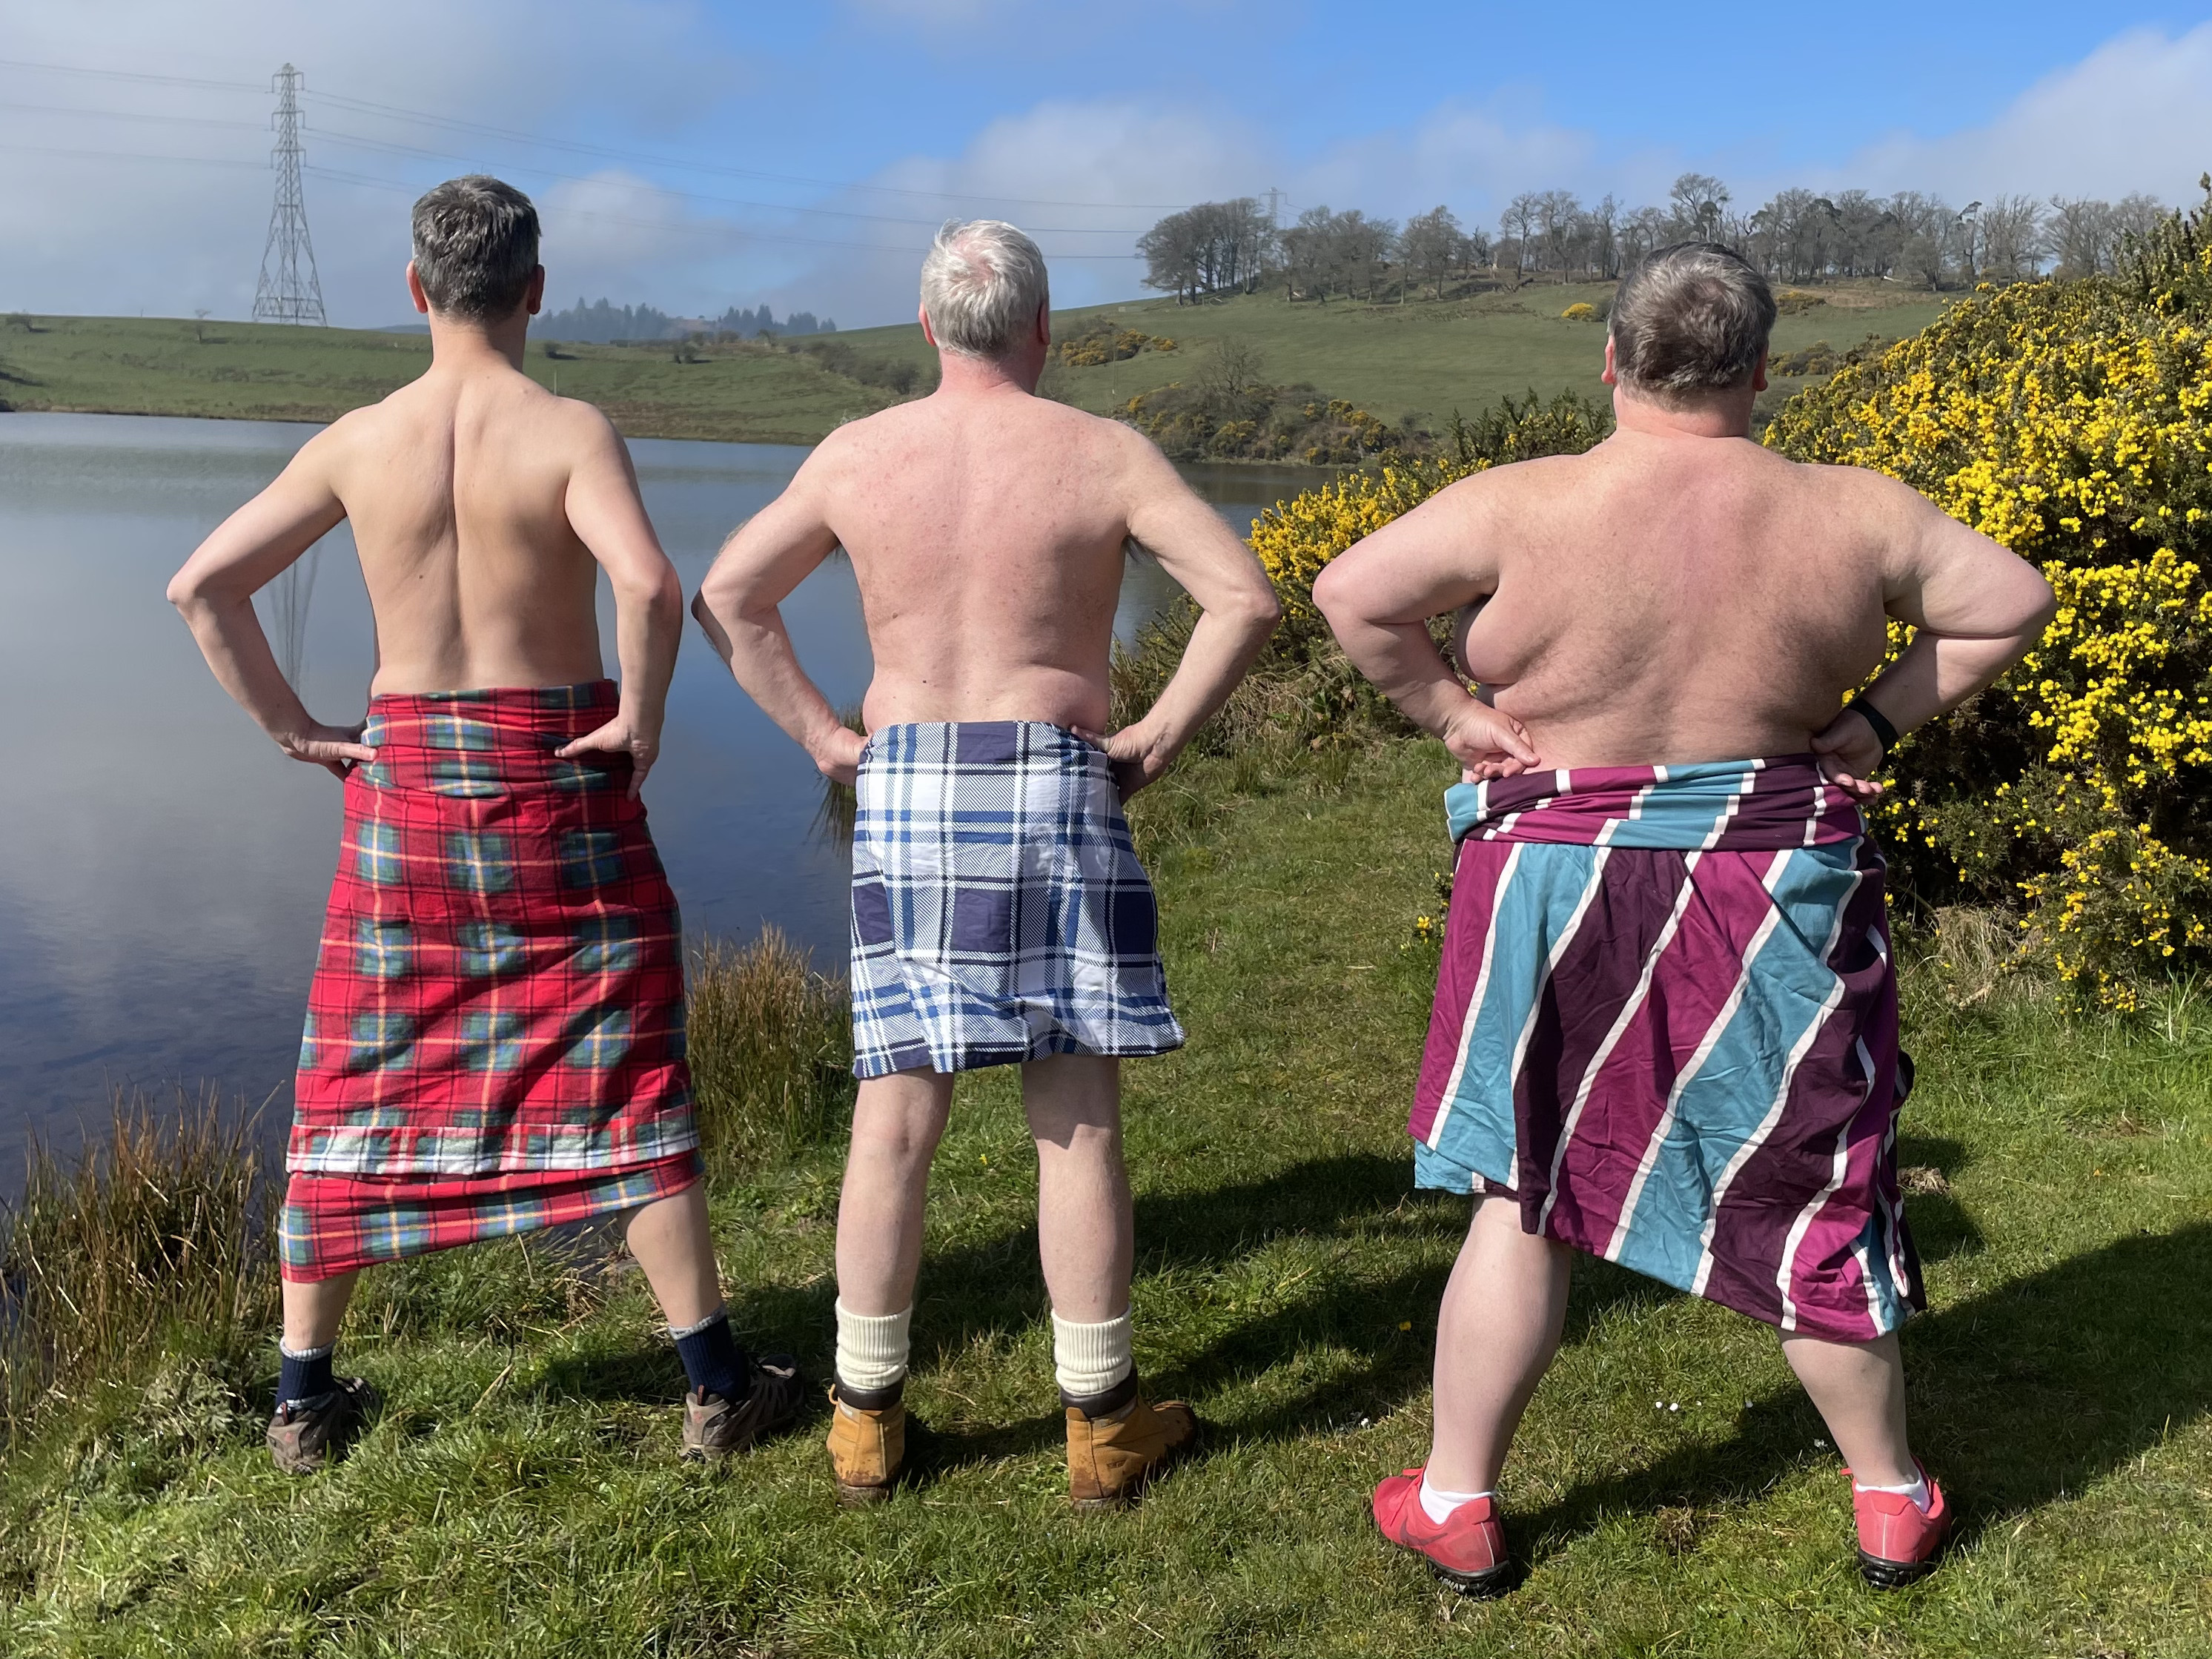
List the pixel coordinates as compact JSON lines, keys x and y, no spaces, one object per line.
{"x":163,"y":869}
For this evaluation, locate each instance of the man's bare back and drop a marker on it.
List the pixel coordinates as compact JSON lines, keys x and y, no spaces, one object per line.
{"x":458,"y":487}
{"x":986,"y":528}
{"x":483,"y":507}
{"x":1676,"y":594}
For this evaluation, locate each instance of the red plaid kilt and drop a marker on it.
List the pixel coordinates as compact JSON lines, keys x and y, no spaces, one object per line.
{"x":333,"y":1224}
{"x":500,"y":985}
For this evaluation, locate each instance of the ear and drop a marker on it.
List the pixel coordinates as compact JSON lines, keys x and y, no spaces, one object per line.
{"x":1758,"y":375}
{"x":1611,"y":377}
{"x":534,"y":297}
{"x":415,"y":290}
{"x":1044,"y":322}
{"x":921,"y":316}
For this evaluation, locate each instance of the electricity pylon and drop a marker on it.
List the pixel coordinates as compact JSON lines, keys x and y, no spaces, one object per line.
{"x":289,"y":291}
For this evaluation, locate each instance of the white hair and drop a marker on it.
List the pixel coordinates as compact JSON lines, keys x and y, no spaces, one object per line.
{"x":982,"y":283}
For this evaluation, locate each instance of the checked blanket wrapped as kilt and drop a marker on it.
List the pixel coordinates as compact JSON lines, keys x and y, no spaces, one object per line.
{"x":999,"y":914}
{"x":495,"y":1036}
{"x":1666,"y":1023}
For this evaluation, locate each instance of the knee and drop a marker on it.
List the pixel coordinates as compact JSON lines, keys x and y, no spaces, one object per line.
{"x":906,"y":1137}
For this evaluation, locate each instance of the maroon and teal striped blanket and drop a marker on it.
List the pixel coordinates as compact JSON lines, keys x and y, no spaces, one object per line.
{"x":1666,"y":1022}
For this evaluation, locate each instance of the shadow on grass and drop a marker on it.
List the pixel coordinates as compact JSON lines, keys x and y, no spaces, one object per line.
{"x":2018,"y":1397}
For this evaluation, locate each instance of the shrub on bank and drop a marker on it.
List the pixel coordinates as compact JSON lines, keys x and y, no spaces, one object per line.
{"x":2073,"y":423}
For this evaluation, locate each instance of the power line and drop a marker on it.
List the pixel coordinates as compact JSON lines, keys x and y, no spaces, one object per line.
{"x":362,"y":105}
{"x":289,"y":290}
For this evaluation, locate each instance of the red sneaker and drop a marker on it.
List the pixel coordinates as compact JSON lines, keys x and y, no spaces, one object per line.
{"x":1467,"y":1550}
{"x":1898,"y":1543}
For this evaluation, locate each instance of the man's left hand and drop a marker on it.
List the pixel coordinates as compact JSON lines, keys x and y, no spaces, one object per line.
{"x":1133,"y":754}
{"x":623,"y":735}
{"x":1850,"y":753}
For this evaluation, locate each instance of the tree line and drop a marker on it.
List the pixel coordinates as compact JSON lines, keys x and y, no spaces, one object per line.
{"x":1797,"y":236}
{"x":602,"y":324}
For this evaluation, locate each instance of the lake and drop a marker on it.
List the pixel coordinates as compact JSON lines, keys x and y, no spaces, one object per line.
{"x":163,"y":869}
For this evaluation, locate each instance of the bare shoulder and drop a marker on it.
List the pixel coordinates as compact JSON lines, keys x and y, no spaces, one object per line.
{"x":1540,"y":483}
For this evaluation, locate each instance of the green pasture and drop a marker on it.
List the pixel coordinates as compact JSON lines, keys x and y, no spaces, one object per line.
{"x":1671,"y":1492}
{"x":1421,"y":360}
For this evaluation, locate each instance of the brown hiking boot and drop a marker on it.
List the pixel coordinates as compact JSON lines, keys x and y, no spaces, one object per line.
{"x":306,"y":1436}
{"x":714,"y":1428}
{"x":867,"y":1442}
{"x":1119,"y":1441}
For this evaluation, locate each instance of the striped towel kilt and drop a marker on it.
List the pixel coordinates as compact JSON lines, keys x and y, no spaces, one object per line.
{"x":495,"y":1034}
{"x":1666,"y":1022}
{"x":999,"y":914}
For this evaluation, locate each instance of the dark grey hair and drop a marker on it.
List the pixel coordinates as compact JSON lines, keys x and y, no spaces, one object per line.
{"x":1691,"y":320}
{"x":476,"y":247}
{"x":983,"y":282}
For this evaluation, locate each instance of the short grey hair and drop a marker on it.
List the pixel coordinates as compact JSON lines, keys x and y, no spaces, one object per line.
{"x":476,"y":247}
{"x":1691,"y":320}
{"x":982,"y":283}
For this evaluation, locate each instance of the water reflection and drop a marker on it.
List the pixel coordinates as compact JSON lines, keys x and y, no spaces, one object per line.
{"x":163,"y":869}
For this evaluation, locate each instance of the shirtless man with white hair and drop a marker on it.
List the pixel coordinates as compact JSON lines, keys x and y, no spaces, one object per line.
{"x":1666,"y":1021}
{"x":1000,"y":915}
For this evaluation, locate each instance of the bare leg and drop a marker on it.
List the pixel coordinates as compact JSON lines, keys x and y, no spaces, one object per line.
{"x":670,"y":1239}
{"x":1086,"y":1237}
{"x":313,"y":1309}
{"x":1858,"y":1388}
{"x":1499,"y":1326}
{"x":896,"y":1123}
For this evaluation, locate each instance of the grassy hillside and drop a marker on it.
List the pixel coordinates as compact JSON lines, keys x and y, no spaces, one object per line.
{"x":1671,"y":1490}
{"x":1423,"y":359}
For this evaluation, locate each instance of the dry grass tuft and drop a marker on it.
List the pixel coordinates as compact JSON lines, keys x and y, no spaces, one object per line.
{"x":161,"y":1227}
{"x":771,"y":1044}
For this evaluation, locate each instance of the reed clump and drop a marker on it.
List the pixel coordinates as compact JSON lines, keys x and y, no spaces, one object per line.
{"x":771,"y":1044}
{"x":157,"y":1234}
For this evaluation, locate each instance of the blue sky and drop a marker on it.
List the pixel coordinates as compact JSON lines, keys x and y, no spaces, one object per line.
{"x":645,"y":125}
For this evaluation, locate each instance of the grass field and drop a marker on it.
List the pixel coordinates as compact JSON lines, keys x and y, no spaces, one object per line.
{"x":1422,"y":359}
{"x":522,"y":1496}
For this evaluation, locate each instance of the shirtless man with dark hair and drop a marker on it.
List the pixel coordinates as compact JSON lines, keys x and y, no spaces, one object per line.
{"x":495,"y":1038}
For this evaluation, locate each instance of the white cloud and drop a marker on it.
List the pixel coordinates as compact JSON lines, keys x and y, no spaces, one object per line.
{"x":2134,"y":115}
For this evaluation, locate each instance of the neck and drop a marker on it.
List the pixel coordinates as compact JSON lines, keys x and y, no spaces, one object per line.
{"x":459,"y":344}
{"x":967,"y":376}
{"x":1726,"y":415}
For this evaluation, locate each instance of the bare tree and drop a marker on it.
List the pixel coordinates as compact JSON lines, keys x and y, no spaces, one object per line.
{"x":1433,"y":245}
{"x":2078,"y":234}
{"x":1517,"y":226}
{"x":1699,"y":200}
{"x":2012,"y":238}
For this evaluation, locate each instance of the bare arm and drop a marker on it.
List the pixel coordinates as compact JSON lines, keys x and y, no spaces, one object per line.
{"x":760,"y":565}
{"x":1238,"y":610}
{"x":215,"y":588}
{"x":1976,"y":608}
{"x":1378,"y":595}
{"x":608,"y":516}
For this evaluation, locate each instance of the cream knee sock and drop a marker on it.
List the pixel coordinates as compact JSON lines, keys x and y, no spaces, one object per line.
{"x":872,"y":1349}
{"x":1090,"y":1358}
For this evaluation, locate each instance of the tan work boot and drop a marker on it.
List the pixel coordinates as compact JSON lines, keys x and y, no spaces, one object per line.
{"x":867,"y":1442}
{"x":1119,"y":1441}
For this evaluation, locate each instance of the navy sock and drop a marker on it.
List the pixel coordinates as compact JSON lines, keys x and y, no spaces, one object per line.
{"x":711,"y":1358}
{"x":304,"y":1375}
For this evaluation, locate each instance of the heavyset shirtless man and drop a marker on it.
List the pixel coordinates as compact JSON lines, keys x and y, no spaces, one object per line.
{"x":1000,"y":916}
{"x":1665,"y":1027}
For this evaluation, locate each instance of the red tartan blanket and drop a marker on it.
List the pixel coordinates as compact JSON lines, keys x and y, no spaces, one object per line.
{"x":500,"y":983}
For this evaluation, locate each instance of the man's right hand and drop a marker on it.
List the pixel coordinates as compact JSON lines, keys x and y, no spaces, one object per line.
{"x":337,"y":748}
{"x":1849,"y":753}
{"x":838,"y":759}
{"x":1487,"y":744}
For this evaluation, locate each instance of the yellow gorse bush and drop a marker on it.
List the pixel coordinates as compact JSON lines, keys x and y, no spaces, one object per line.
{"x":2073,"y":423}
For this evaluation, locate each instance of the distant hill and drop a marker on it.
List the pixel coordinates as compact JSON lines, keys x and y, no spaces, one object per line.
{"x":601,"y":322}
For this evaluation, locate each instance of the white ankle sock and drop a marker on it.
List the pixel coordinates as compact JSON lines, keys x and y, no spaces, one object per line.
{"x":1917,"y":1491}
{"x":1438,"y":1505}
{"x":1090,"y":1358}
{"x":872,"y":1349}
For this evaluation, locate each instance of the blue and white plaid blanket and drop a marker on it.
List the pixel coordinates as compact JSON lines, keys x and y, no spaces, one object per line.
{"x":999,"y":914}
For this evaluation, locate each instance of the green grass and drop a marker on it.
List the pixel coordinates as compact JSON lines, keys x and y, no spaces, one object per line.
{"x":1422,"y":360}
{"x":522,"y":1495}
{"x":1415,"y":363}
